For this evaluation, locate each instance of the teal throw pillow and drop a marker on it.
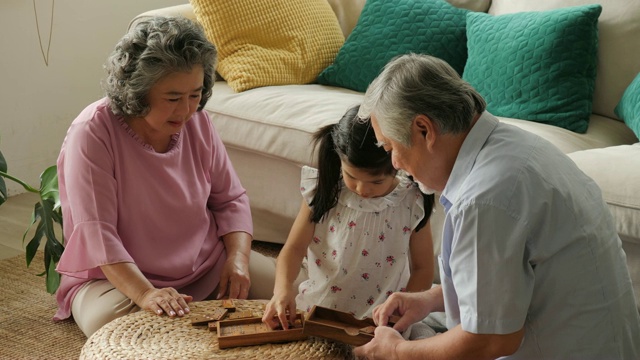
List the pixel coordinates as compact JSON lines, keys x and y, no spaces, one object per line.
{"x":387,"y":28}
{"x":628,"y":109}
{"x":538,"y":66}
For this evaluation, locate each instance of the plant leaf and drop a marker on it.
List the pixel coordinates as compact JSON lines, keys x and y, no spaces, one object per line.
{"x":3,"y":185}
{"x":3,"y":163}
{"x":53,"y":278}
{"x":52,"y":252}
{"x":49,"y":186}
{"x":53,"y":248}
{"x":34,"y":243}
{"x":47,"y":218}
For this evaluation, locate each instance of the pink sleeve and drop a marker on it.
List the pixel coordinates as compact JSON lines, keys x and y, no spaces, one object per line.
{"x":228,"y":200}
{"x":88,"y":195}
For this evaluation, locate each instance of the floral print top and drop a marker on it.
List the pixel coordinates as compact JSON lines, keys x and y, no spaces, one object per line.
{"x":359,"y":254}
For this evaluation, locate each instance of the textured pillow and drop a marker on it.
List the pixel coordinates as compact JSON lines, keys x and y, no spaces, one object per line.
{"x":628,"y":108}
{"x":538,"y":66}
{"x":389,"y":28}
{"x":270,"y":42}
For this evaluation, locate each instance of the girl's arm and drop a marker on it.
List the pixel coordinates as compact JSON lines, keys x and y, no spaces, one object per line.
{"x":421,"y":252}
{"x":287,"y":268}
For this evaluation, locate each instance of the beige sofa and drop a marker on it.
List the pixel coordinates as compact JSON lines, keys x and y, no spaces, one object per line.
{"x":267,"y":130}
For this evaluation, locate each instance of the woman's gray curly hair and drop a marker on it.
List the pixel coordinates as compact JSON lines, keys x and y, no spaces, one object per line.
{"x":151,"y":50}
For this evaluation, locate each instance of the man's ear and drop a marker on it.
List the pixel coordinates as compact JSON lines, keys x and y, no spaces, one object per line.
{"x":424,"y":126}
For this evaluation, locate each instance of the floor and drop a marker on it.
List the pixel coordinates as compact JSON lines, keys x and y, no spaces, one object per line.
{"x":15,"y":216}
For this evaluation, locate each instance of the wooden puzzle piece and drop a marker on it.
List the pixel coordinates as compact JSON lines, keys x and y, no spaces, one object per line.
{"x":229,"y":304}
{"x":354,"y":331}
{"x":239,"y":315}
{"x":213,"y":326}
{"x":203,"y":319}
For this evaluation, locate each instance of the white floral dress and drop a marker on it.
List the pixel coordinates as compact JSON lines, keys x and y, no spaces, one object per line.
{"x":359,"y":254}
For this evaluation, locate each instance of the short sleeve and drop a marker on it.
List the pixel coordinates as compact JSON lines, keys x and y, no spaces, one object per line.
{"x":482,"y":254}
{"x":308,"y":183}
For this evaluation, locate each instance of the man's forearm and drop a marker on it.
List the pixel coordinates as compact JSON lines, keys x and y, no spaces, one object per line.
{"x":460,"y":344}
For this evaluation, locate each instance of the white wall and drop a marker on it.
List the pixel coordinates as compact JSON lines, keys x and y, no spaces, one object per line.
{"x":38,"y":102}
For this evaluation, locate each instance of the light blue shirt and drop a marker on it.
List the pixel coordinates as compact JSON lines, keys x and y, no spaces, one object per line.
{"x":529,"y":242}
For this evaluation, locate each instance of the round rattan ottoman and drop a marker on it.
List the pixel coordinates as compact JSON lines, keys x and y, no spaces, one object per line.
{"x":143,"y":335}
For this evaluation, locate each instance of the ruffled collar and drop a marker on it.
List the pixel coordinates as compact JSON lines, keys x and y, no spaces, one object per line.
{"x":172,"y":143}
{"x":394,"y":198}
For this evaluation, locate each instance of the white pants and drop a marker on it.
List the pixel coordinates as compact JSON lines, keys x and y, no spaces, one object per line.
{"x":263,"y":276}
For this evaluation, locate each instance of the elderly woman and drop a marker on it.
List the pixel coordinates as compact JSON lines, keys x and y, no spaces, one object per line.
{"x":154,"y":213}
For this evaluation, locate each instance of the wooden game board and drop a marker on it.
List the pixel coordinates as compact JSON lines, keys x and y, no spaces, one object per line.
{"x":252,"y":331}
{"x":340,"y":326}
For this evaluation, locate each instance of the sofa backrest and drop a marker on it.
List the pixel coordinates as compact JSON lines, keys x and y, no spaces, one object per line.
{"x":348,"y":11}
{"x":618,"y":45}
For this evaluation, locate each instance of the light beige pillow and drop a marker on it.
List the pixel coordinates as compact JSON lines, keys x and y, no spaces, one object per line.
{"x":270,"y":42}
{"x":616,"y":169}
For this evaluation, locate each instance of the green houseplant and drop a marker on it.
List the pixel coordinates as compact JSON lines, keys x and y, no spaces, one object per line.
{"x":46,"y":213}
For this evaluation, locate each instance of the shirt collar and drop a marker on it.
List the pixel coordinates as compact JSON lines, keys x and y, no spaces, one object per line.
{"x":467,"y":155}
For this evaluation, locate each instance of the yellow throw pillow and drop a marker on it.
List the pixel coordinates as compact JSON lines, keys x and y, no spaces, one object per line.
{"x":270,"y":42}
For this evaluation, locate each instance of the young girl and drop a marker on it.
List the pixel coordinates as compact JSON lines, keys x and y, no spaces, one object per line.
{"x":363,"y":227}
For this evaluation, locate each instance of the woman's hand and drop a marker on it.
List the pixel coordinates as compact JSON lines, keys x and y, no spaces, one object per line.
{"x":282,"y":305}
{"x":235,"y":277}
{"x":235,"y":280}
{"x":130,"y":281}
{"x":165,"y":300}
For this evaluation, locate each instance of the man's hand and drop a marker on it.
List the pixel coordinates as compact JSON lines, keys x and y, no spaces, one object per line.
{"x":411,"y":307}
{"x":383,"y":345}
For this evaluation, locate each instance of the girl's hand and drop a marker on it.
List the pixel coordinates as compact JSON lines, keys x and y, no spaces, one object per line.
{"x":165,"y":300}
{"x":235,"y":277}
{"x":284,"y":307}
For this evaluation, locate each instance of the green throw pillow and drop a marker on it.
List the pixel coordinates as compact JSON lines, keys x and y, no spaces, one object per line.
{"x":538,"y":66}
{"x":387,"y":28}
{"x":628,"y":109}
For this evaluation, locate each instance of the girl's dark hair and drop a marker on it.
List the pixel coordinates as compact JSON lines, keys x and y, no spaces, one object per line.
{"x":353,"y":140}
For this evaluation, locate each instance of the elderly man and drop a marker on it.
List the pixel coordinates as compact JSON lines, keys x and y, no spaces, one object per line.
{"x":531,"y":265}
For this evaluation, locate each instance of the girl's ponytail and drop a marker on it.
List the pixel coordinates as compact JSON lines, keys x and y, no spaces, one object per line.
{"x":429,"y":204}
{"x":329,"y":165}
{"x":429,"y":201}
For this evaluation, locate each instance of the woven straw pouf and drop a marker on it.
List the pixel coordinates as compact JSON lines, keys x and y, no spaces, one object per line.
{"x":143,"y":335}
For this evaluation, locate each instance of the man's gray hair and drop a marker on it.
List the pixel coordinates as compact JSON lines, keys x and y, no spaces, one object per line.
{"x":414,"y":84}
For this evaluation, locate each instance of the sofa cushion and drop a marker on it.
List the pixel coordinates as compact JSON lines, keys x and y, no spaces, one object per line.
{"x":266,"y":120}
{"x":628,"y":108}
{"x":272,"y":42}
{"x":616,"y":170}
{"x":618,"y":46}
{"x":389,"y":28}
{"x":538,"y":66}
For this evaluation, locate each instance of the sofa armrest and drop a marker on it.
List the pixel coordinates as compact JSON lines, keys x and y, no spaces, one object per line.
{"x":177,"y":10}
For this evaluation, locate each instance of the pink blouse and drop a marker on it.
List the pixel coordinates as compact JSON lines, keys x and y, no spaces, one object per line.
{"x":165,"y":212}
